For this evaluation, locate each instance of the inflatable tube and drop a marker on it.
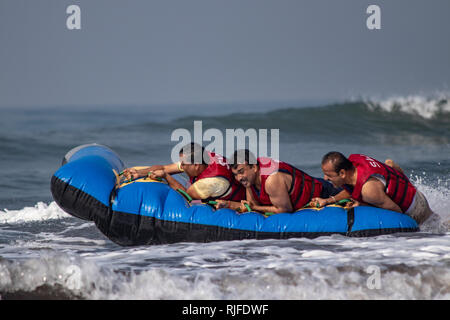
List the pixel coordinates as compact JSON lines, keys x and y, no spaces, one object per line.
{"x":145,"y":211}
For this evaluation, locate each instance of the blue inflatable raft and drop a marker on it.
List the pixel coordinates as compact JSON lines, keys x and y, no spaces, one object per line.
{"x":146,"y":211}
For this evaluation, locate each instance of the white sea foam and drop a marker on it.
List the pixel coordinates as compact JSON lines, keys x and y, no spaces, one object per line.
{"x":40,"y":212}
{"x":438,"y":198}
{"x":423,"y":106}
{"x":409,"y":268}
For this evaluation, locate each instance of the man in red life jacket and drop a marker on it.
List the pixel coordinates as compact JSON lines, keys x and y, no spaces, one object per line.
{"x":370,"y":181}
{"x":274,"y":186}
{"x":210,"y":175}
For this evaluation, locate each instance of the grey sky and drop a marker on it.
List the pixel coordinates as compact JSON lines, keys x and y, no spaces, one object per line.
{"x":208,"y":51}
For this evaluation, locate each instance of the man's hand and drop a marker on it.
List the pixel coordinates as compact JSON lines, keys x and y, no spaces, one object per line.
{"x":245,"y":204}
{"x":353,"y":204}
{"x":157,"y":174}
{"x":318,"y":202}
{"x":130,"y":173}
{"x":222,"y":204}
{"x":233,"y":205}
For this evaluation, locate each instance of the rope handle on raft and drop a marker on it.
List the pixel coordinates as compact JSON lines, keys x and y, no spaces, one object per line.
{"x":266,"y":214}
{"x":213,"y":203}
{"x":343,"y":201}
{"x":184,"y":193}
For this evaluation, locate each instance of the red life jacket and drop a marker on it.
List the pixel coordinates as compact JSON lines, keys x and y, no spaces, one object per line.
{"x":218,"y":167}
{"x":303,"y":187}
{"x":398,"y":187}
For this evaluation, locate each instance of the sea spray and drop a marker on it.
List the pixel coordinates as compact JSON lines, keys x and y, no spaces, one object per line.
{"x":40,"y":212}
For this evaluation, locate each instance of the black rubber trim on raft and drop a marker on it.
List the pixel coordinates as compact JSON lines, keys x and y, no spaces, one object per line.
{"x":80,"y":204}
{"x":350,"y":219}
{"x":133,"y":229}
{"x":74,"y":201}
{"x":164,"y":232}
{"x":379,"y":232}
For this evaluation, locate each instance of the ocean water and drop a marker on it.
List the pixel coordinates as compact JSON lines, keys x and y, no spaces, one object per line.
{"x":47,"y":254}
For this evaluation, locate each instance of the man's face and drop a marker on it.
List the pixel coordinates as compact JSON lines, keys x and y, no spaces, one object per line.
{"x":191,"y":169}
{"x":245,"y":174}
{"x":337,"y":179}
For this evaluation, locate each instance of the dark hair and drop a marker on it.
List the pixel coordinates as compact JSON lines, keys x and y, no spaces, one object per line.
{"x":338,"y":160}
{"x":194,"y":153}
{"x":243,"y":156}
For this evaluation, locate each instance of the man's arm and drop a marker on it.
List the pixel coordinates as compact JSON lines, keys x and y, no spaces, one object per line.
{"x":172,"y":168}
{"x":192,"y":191}
{"x":171,"y":181}
{"x":332,"y":199}
{"x":373,"y":193}
{"x":277,"y":190}
{"x":250,"y":199}
{"x":132,"y":173}
{"x":174,"y":184}
{"x":234,"y":205}
{"x":239,"y":205}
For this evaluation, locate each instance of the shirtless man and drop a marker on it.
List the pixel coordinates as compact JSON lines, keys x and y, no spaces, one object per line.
{"x":274,"y":186}
{"x":370,"y":181}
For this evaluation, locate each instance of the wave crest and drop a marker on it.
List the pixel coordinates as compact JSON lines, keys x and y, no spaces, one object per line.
{"x":425,"y":107}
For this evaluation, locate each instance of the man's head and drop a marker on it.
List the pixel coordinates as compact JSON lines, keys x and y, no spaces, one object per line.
{"x":336,"y":168}
{"x":245,"y":167}
{"x":194,"y":159}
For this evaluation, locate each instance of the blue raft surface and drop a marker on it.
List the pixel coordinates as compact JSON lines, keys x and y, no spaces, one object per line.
{"x":150,"y":212}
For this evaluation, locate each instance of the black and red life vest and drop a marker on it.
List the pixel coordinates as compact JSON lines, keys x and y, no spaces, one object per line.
{"x":303,"y":187}
{"x":398,"y":187}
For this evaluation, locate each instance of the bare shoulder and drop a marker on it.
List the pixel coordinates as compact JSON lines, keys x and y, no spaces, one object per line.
{"x":373,"y":190}
{"x":276,"y":182}
{"x":373,"y":184}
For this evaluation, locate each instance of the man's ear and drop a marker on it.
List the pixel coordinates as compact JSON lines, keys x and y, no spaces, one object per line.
{"x":342,"y":173}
